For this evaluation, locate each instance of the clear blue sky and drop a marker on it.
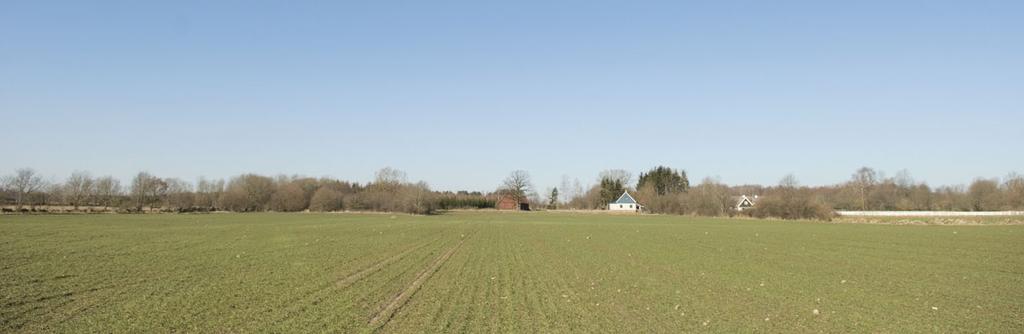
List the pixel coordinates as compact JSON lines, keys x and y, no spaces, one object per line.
{"x":460,"y":93}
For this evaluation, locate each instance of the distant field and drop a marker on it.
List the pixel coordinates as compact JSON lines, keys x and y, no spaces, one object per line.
{"x":502,"y":272}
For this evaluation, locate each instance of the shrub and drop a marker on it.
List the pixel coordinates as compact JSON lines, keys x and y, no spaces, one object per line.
{"x":326,"y":200}
{"x":288,"y":198}
{"x":791,"y":204}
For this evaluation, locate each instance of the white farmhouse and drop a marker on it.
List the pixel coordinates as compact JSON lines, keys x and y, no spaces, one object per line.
{"x":625,"y":203}
{"x":744,"y":202}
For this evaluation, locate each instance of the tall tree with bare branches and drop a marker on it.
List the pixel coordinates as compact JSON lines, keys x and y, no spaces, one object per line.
{"x":1013,"y":185}
{"x":517,"y":185}
{"x":984,"y":195}
{"x":106,"y":190}
{"x":616,"y":175}
{"x":23,"y":183}
{"x":864,"y":180}
{"x":79,"y":188}
{"x":147,"y":190}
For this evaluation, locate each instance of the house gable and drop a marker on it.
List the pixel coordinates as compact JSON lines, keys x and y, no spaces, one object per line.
{"x":625,"y":199}
{"x":744,"y":202}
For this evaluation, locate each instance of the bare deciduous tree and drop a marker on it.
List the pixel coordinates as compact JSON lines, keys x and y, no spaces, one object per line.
{"x":390,"y":176}
{"x":984,"y":194}
{"x":417,"y":198}
{"x":577,"y":190}
{"x":791,"y":201}
{"x":146,"y":190}
{"x":864,"y":179}
{"x":517,"y":185}
{"x":903,"y":179}
{"x":179,"y":194}
{"x":1013,"y":185}
{"x":789,"y":181}
{"x":621,"y":175}
{"x":326,"y":199}
{"x":711,"y":198}
{"x":79,"y":188}
{"x":289,"y":197}
{"x":249,"y":192}
{"x":208,"y":192}
{"x":106,"y":190}
{"x":23,"y":183}
{"x":566,"y":189}
{"x":51,"y":194}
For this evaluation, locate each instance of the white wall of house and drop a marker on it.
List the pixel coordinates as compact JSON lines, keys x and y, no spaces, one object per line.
{"x":622,"y":207}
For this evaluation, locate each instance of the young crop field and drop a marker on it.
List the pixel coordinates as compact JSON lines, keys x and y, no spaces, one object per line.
{"x":503,"y":272}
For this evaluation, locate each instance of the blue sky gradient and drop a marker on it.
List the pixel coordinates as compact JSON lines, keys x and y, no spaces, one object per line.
{"x":460,"y":93}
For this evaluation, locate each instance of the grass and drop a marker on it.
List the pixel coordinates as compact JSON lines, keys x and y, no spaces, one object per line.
{"x":503,"y":272}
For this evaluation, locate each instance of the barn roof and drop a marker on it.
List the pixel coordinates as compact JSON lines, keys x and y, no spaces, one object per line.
{"x":625,"y":199}
{"x":510,"y":198}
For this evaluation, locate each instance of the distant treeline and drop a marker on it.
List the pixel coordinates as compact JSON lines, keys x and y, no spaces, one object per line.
{"x":660,"y":190}
{"x":389,"y":192}
{"x":665,"y":190}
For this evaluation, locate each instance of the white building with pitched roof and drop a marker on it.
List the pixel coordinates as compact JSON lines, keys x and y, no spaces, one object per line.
{"x":744,"y":202}
{"x":625,"y":203}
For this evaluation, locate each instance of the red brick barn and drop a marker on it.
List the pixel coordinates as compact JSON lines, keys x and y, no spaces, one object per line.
{"x":510,"y":203}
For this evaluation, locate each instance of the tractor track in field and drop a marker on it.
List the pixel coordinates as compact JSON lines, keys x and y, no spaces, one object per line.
{"x":22,"y":318}
{"x":384,"y":316}
{"x":317,"y":295}
{"x":355,"y":277}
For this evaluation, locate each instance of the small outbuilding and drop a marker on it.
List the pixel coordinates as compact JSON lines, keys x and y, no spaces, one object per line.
{"x":510,"y":203}
{"x":625,"y":203}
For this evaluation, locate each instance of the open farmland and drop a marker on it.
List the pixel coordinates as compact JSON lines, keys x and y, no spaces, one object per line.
{"x":502,"y":272}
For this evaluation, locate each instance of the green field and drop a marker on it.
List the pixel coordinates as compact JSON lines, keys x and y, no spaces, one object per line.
{"x":503,"y":272}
